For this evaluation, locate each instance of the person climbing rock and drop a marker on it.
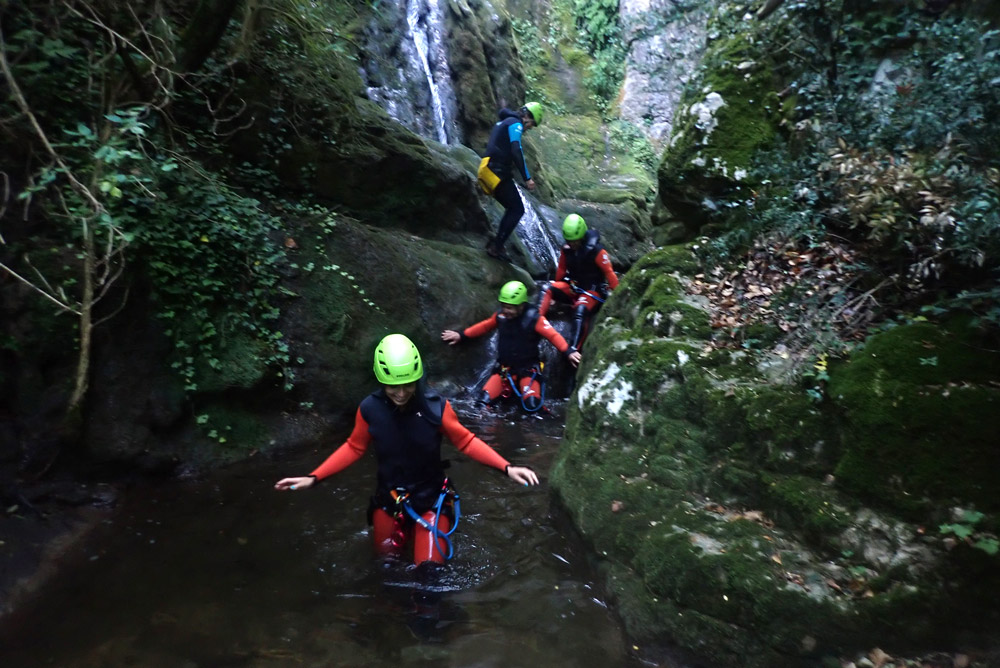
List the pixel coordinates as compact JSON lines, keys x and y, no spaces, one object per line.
{"x":520,"y":329}
{"x":405,"y":422}
{"x":496,"y":170}
{"x":584,"y":276}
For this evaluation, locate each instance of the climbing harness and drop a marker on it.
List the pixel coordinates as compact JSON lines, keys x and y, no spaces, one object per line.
{"x":448,"y":493}
{"x":535,"y":373}
{"x":576,"y":288}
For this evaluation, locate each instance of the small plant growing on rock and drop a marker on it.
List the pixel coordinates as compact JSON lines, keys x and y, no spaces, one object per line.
{"x":963,"y":529}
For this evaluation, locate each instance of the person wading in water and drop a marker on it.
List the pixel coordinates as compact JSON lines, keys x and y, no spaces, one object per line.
{"x":414,"y":500}
{"x":521,"y":328}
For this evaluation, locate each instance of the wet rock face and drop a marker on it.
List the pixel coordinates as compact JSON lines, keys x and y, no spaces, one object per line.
{"x":404,"y":49}
{"x":484,"y":64}
{"x":665,"y":40}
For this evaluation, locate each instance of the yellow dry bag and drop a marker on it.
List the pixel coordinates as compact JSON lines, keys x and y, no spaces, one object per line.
{"x":487,"y":179}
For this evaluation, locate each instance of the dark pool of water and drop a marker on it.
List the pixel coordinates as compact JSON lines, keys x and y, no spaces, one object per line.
{"x":225,"y":571}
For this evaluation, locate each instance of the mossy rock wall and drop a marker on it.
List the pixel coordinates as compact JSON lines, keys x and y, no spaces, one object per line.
{"x":710,"y":492}
{"x":485,"y":66}
{"x":347,"y":284}
{"x":352,"y":154}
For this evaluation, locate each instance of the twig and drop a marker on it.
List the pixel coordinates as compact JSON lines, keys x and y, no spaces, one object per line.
{"x":41,"y":276}
{"x":861,"y":299}
{"x":96,"y":21}
{"x":37,"y":289}
{"x":3,"y":202}
{"x":117,"y":310}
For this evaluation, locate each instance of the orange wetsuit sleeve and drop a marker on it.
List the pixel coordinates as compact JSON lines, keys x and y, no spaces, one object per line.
{"x":467,"y":442}
{"x":604,"y":264}
{"x":545,"y":328}
{"x":348,"y":453}
{"x":561,"y":267}
{"x":480,"y":328}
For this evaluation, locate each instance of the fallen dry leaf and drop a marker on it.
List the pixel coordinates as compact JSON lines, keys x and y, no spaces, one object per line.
{"x":617,"y":506}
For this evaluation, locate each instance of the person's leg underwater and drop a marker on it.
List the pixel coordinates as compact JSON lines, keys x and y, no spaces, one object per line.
{"x":388,"y":534}
{"x":530,"y":387}
{"x":492,"y":389}
{"x":424,"y":548}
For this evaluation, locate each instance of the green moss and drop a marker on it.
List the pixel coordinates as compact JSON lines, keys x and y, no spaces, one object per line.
{"x":805,"y":502}
{"x":570,"y":153}
{"x":233,"y":429}
{"x":711,"y":151}
{"x":669,"y":259}
{"x":791,"y":430}
{"x":914,"y":402}
{"x":239,"y":363}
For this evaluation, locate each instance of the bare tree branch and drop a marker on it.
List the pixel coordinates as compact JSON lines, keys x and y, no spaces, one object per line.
{"x":62,"y":305}
{"x":116,"y":311}
{"x":3,"y":202}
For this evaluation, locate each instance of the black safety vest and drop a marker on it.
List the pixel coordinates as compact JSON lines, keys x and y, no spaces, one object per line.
{"x":407,"y":445}
{"x":498,"y":148}
{"x":581,"y":265}
{"x":517,"y":343}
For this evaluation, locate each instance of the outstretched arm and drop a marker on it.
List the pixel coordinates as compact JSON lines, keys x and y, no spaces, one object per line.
{"x":348,"y":453}
{"x":451,"y":336}
{"x":469,"y":444}
{"x":480,"y":328}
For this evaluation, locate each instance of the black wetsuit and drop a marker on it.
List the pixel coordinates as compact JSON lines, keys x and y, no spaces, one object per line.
{"x":504,"y":152}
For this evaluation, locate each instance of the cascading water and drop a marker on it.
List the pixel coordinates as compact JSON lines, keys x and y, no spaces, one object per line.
{"x":535,"y":235}
{"x":407,"y":68}
{"x":425,"y":30}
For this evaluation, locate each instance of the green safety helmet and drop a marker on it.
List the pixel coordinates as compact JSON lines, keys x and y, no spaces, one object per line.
{"x":513,"y":292}
{"x":536,"y":111}
{"x":574,"y":228}
{"x":397,"y":361}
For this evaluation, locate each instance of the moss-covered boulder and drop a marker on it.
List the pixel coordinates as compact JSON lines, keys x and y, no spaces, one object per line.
{"x":727,"y":113}
{"x":366,"y":282}
{"x":712,"y":489}
{"x":916,"y":403}
{"x":347,"y":284}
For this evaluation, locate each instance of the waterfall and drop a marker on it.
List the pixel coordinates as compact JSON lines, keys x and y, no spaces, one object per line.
{"x":427,"y":35}
{"x":407,"y":68}
{"x":537,"y":238}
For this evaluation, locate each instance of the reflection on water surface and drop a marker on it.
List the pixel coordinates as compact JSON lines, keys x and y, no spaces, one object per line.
{"x":224,"y":571}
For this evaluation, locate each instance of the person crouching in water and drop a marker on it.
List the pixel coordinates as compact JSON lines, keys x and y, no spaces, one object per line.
{"x":405,"y":423}
{"x":584,"y":276}
{"x":520,"y":329}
